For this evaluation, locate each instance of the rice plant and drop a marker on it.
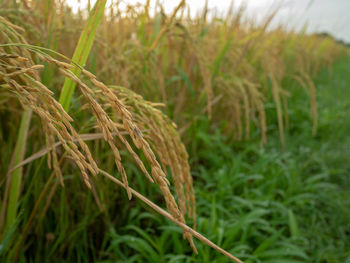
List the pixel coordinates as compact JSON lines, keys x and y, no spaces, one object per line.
{"x":123,"y":106}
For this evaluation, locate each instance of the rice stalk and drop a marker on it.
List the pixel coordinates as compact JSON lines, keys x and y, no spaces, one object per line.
{"x":313,"y":102}
{"x":57,"y":122}
{"x":165,"y":27}
{"x":84,"y":47}
{"x":13,"y":184}
{"x":276,"y":97}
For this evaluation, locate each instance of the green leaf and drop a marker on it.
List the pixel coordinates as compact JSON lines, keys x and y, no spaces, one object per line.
{"x":268,"y":242}
{"x":293,"y":224}
{"x":82,"y":51}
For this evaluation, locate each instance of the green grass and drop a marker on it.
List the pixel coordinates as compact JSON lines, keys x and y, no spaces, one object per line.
{"x":262,"y":205}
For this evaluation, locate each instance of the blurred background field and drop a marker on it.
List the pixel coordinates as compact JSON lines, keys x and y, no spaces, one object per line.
{"x":262,"y":110}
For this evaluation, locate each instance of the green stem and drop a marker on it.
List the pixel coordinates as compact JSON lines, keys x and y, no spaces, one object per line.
{"x":16,"y":177}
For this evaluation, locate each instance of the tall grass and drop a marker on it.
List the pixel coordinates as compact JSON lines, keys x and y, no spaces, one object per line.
{"x":80,"y":56}
{"x":56,"y":122}
{"x":195,"y":60}
{"x":228,"y":70}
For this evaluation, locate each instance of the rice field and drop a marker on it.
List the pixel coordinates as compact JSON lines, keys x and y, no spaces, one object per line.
{"x":133,"y":135}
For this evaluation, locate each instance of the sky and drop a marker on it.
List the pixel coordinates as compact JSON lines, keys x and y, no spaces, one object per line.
{"x":331,"y":16}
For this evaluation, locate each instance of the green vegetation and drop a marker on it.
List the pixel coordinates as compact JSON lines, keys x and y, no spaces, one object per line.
{"x":258,"y":160}
{"x":260,"y":204}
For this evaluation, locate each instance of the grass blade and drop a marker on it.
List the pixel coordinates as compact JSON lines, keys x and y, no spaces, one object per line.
{"x":82,"y":51}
